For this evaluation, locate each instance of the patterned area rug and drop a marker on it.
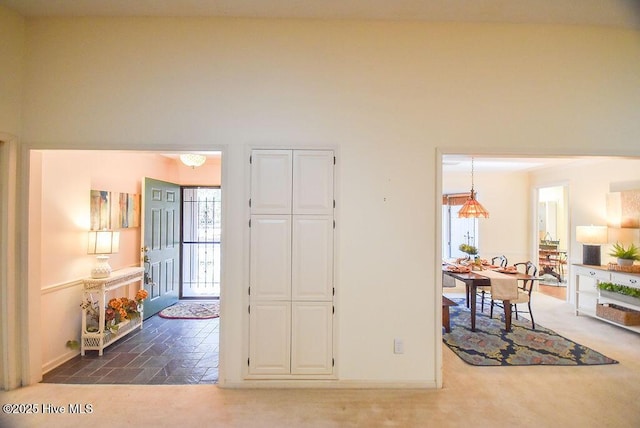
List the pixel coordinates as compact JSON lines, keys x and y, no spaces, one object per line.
{"x":490,"y":345}
{"x":191,"y":311}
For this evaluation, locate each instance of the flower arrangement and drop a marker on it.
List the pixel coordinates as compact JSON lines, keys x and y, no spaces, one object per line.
{"x":118,"y":310}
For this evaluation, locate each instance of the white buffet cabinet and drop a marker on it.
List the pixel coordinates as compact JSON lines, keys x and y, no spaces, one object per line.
{"x":587,"y":293}
{"x":100,"y":290}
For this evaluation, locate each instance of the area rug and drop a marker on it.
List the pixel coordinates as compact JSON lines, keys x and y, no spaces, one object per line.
{"x":491,"y":345}
{"x":191,"y":311}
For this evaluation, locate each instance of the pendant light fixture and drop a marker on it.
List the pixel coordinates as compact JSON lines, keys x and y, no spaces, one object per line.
{"x":472,"y":208}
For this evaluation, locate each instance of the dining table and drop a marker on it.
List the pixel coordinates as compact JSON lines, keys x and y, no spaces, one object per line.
{"x":474,"y":279}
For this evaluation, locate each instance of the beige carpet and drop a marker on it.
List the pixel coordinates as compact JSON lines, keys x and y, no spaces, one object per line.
{"x":539,"y":396}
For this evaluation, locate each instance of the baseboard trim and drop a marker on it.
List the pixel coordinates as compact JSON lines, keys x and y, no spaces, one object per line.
{"x":328,"y":384}
{"x":50,"y":365}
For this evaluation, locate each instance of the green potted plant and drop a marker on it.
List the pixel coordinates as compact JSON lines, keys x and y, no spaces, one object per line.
{"x":625,"y":256}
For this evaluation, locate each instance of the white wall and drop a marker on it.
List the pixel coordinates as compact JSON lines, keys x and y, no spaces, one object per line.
{"x":12,"y":38}
{"x":506,"y":196}
{"x":384,"y":94}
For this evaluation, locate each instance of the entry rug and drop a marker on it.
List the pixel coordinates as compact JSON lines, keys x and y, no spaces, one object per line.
{"x":491,"y":345}
{"x":191,"y":311}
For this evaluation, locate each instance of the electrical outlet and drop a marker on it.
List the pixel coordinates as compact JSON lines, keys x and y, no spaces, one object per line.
{"x":398,"y":346}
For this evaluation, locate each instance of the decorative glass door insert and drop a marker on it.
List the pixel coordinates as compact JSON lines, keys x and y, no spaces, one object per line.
{"x":201,"y":208}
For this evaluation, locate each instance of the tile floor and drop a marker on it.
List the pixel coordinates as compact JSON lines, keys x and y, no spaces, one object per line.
{"x":165,"y":351}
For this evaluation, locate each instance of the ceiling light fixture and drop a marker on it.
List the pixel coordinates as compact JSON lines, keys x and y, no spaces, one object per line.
{"x":193,"y":160}
{"x":472,"y":208}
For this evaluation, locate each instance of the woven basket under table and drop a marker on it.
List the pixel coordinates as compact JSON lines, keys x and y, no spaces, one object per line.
{"x":618,"y":314}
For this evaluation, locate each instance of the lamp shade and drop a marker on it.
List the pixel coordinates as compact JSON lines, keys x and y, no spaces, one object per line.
{"x":472,"y":208}
{"x":591,"y":234}
{"x":624,"y":235}
{"x":192,"y":159}
{"x":103,"y":242}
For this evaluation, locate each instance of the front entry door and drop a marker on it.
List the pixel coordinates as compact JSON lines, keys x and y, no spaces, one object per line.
{"x":161,"y":244}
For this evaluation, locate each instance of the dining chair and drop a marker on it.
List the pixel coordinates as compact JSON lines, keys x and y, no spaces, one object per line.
{"x":484,"y":290}
{"x":524,"y":292}
{"x":500,"y":261}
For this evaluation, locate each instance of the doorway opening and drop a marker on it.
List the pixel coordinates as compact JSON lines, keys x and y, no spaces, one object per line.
{"x":51,"y":187}
{"x":552,"y":240}
{"x":200,"y":243}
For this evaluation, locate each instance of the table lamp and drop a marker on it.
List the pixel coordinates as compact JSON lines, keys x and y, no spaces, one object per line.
{"x":101,"y":243}
{"x":591,"y":237}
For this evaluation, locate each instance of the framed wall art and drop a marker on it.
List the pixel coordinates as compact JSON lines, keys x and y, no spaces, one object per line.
{"x":114,"y":210}
{"x":623,"y":209}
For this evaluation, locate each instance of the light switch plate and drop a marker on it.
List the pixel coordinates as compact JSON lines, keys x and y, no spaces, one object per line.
{"x":398,"y":346}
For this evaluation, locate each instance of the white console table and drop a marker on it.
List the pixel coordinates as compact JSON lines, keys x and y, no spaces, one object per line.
{"x":97,"y":290}
{"x":588,"y":295}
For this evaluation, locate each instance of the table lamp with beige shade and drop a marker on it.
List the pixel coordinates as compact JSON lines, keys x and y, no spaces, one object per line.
{"x":592,"y":238}
{"x":102,"y":243}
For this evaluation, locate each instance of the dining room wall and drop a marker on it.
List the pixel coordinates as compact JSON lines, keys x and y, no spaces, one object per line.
{"x":386,"y":95}
{"x":506,"y":196}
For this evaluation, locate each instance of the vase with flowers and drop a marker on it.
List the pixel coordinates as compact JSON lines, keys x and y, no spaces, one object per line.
{"x":117,"y":313}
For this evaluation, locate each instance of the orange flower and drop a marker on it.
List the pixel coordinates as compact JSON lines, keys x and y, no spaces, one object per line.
{"x":115,"y":304}
{"x":141,"y":295}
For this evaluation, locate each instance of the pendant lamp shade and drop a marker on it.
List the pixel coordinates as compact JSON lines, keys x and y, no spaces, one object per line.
{"x":472,"y":208}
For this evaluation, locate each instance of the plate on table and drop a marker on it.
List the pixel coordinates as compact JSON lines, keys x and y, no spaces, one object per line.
{"x":503,"y":270}
{"x":458,"y":269}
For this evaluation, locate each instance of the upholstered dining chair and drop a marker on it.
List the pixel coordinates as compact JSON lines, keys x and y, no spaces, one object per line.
{"x":484,"y":290}
{"x":524,"y":292}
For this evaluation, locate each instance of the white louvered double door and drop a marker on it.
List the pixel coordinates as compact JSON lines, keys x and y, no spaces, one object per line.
{"x":291,"y":262}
